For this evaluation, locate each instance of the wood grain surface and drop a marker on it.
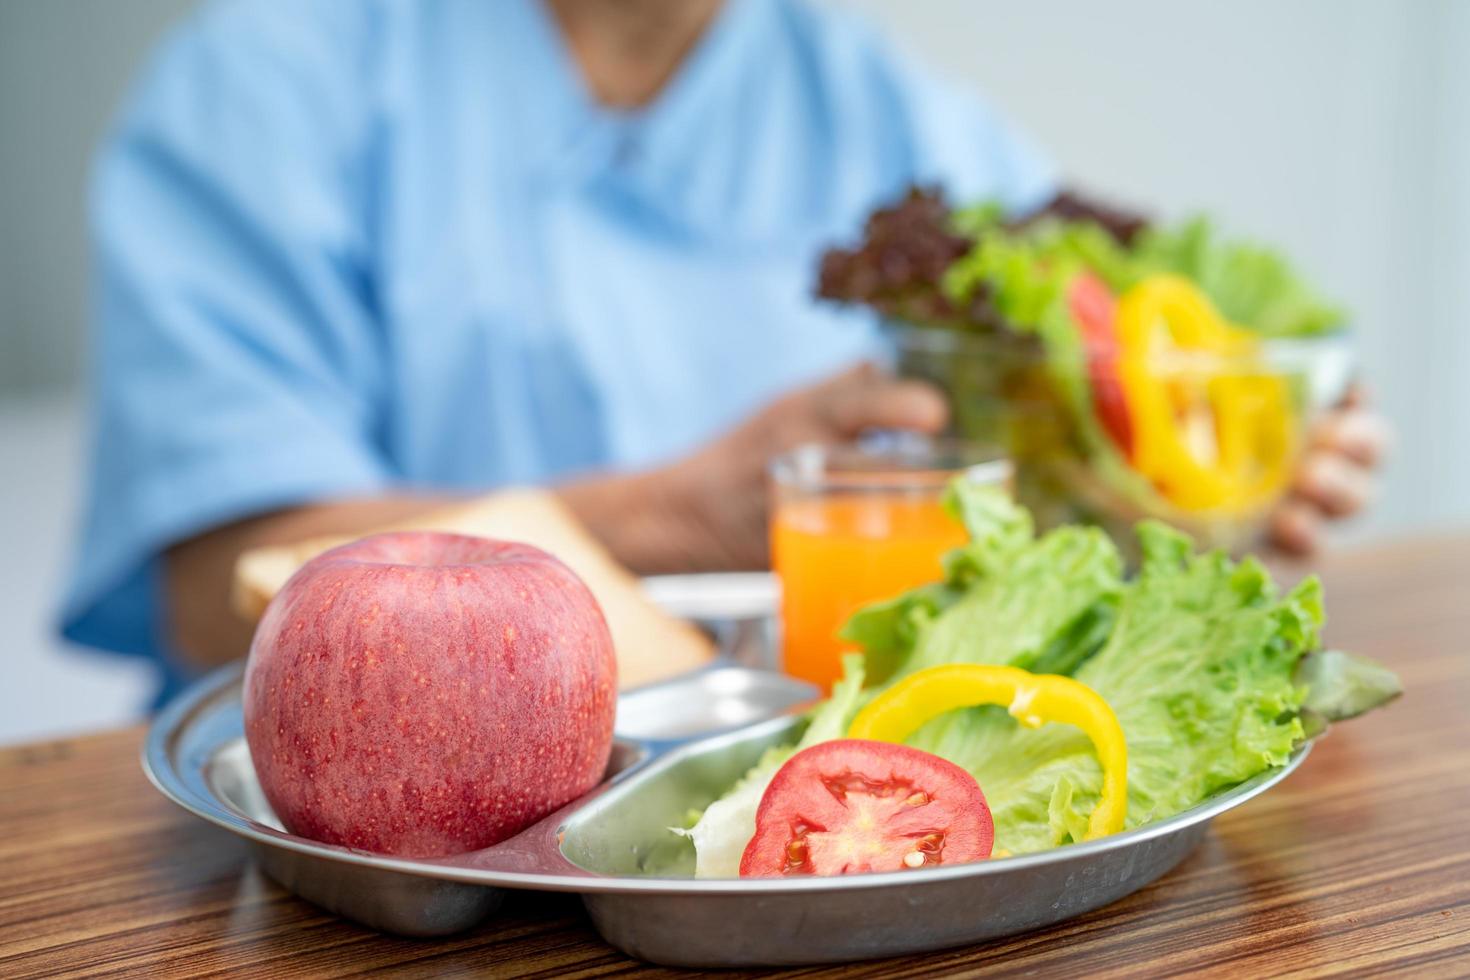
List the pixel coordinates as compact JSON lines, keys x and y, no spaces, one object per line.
{"x":1358,"y":864}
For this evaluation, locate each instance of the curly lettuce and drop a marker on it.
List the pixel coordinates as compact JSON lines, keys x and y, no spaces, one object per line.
{"x":1001,"y":601}
{"x":1199,"y":671}
{"x":1213,"y":673}
{"x":1253,"y":286}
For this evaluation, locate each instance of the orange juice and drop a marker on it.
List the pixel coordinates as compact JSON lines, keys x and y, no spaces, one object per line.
{"x":836,"y":553}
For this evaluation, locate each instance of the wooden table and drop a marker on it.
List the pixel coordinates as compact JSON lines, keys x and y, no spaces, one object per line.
{"x":1359,"y":863}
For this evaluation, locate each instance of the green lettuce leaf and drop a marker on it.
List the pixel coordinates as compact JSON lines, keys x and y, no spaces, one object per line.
{"x":1199,"y":670}
{"x":1204,"y":661}
{"x":1046,"y":610}
{"x":998,"y":528}
{"x":1344,"y":685}
{"x":888,"y":631}
{"x":1252,"y":285}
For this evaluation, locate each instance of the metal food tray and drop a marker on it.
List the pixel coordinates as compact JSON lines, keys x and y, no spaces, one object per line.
{"x":664,"y":762}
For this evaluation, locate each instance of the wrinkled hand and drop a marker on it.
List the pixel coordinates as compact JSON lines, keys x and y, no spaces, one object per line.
{"x":708,"y":511}
{"x":1337,"y":474}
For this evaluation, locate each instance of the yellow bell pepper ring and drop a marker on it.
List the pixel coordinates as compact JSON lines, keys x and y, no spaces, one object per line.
{"x":1221,"y":440}
{"x":1033,"y":699}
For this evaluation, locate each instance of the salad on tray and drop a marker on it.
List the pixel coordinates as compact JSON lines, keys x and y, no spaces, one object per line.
{"x":1130,"y":370}
{"x":1036,"y":697}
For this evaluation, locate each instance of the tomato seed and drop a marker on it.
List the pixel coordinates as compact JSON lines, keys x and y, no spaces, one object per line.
{"x":918,"y":799}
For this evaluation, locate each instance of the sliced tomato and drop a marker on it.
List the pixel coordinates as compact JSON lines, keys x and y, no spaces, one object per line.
{"x":1095,"y":310}
{"x":852,"y":805}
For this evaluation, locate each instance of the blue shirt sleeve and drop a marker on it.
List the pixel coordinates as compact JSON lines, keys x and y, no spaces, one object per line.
{"x":235,"y":355}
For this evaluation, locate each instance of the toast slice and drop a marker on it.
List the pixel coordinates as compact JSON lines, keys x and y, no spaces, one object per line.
{"x":650,"y":644}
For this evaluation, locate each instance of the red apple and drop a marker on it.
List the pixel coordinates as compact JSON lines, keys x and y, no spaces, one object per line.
{"x":427,"y":694}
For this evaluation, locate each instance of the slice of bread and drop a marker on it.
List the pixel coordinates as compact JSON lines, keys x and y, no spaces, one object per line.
{"x":650,"y":644}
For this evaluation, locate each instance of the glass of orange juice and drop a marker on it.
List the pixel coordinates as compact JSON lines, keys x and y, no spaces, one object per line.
{"x":856,"y":524}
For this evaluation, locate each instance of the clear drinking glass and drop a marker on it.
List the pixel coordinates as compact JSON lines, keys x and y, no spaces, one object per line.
{"x":856,"y":524}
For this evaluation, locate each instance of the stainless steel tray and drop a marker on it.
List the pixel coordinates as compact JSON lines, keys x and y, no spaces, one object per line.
{"x":602,"y":845}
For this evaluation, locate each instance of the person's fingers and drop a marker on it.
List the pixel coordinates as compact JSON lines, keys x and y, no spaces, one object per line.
{"x":1335,"y":484}
{"x":875,"y":401}
{"x":1296,"y":527}
{"x":1356,"y":433}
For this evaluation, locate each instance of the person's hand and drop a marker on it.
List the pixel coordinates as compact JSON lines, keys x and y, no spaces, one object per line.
{"x":708,"y":511}
{"x":1337,"y":474}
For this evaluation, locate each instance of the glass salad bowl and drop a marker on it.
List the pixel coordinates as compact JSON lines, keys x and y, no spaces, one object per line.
{"x":1207,"y":440}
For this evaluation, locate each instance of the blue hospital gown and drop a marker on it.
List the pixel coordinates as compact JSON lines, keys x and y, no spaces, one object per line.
{"x":348,"y":246}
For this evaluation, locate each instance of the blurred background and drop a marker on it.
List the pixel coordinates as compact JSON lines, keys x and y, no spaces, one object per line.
{"x":1338,"y":130}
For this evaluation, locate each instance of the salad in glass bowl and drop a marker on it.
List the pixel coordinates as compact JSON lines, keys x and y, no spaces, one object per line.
{"x":1129,"y":370}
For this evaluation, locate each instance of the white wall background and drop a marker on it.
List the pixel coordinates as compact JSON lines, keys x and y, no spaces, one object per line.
{"x":1339,"y":129}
